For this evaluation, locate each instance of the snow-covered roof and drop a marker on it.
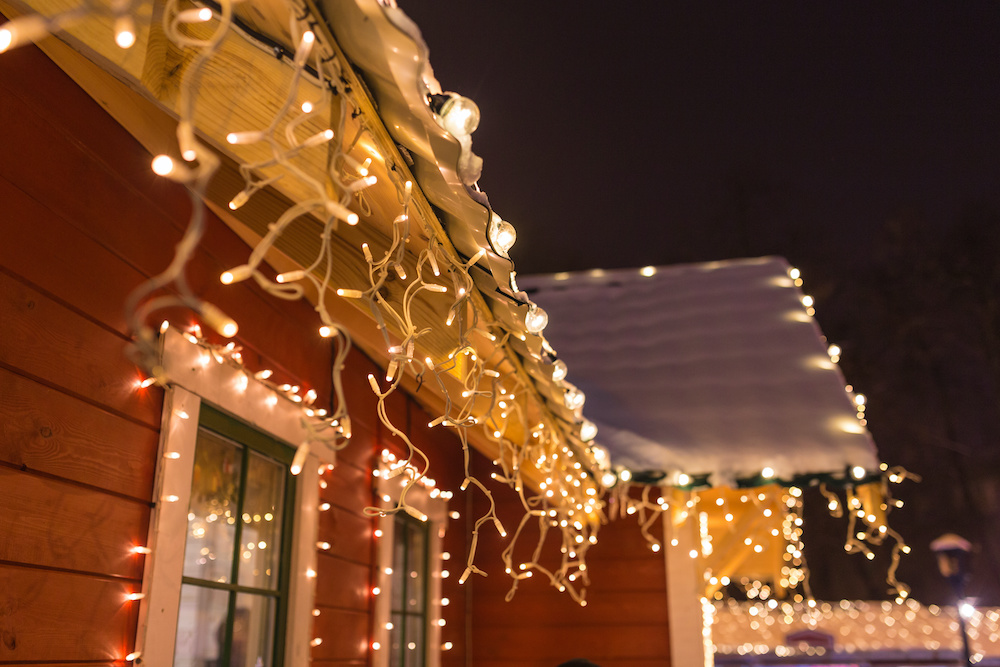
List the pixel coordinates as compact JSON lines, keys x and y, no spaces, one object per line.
{"x":715,"y":369}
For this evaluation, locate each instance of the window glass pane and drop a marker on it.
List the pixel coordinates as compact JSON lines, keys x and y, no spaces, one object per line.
{"x":201,"y":627}
{"x":397,"y":586}
{"x":414,"y":653}
{"x":396,"y":640}
{"x":253,"y":631}
{"x":416,"y":568}
{"x":260,"y":547}
{"x":215,"y":487}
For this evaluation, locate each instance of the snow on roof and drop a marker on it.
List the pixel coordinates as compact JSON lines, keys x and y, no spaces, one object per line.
{"x":708,"y":368}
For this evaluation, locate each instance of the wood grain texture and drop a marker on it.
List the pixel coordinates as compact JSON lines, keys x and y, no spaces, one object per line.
{"x":32,"y":232}
{"x":625,"y":621}
{"x":342,"y":584}
{"x":45,"y":430}
{"x":344,"y":634}
{"x":348,"y":487}
{"x":47,"y":340}
{"x":605,"y":609}
{"x":62,"y":617}
{"x":75,"y":178}
{"x":348,"y":532}
{"x":562,"y":643}
{"x":61,"y":525}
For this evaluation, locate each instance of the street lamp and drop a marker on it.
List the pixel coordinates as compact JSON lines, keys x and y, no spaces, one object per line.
{"x":953,"y":561}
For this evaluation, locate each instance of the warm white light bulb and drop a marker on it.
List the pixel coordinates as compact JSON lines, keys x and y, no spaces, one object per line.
{"x":535,"y":320}
{"x":502,"y":235}
{"x":124,"y":31}
{"x":588,"y":431}
{"x":194,"y":15}
{"x":219,"y":321}
{"x":858,"y":472}
{"x":235,"y":275}
{"x":305,"y":46}
{"x":767,"y":472}
{"x":244,"y":137}
{"x":318,"y":138}
{"x":460,"y":116}
{"x":163,"y":165}
{"x":241,"y":198}
{"x":22,"y":30}
{"x":290,"y":276}
{"x":559,"y":370}
{"x":574,"y":398}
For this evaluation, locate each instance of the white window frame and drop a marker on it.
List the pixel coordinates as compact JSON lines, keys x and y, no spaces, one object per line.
{"x":195,"y":377}
{"x":435,"y":508}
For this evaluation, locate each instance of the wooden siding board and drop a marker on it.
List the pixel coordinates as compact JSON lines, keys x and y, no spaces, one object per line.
{"x":45,"y":430}
{"x":48,"y":341}
{"x":342,"y":584}
{"x":349,"y":534}
{"x":61,"y":525}
{"x":63,"y":617}
{"x":363,"y":450}
{"x":32,"y":231}
{"x":555,"y":643}
{"x":88,"y":124}
{"x":625,"y":618}
{"x":536,"y":608}
{"x":38,"y":154}
{"x":344,"y":635}
{"x":348,"y":486}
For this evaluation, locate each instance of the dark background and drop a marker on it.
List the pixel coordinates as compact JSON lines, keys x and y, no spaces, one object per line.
{"x":857,"y":139}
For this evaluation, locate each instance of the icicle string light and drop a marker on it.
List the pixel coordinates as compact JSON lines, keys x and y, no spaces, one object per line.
{"x":568,"y":501}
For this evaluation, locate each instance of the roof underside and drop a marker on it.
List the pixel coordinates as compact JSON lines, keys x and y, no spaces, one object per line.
{"x":704,"y":369}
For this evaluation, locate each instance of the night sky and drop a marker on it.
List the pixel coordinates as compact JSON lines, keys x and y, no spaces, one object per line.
{"x":857,"y":139}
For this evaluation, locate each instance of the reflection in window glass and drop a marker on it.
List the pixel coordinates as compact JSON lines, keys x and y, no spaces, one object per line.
{"x":234,"y":587}
{"x":260,"y":546}
{"x":203,"y":612}
{"x":409,"y":592}
{"x":215,"y":491}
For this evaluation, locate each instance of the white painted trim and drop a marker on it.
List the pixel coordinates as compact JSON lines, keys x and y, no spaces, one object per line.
{"x":192,"y":366}
{"x":164,"y":567}
{"x":302,"y":583}
{"x":196,"y":376}
{"x":685,"y":583}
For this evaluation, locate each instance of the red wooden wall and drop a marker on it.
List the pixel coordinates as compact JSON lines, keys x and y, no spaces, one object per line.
{"x":624,"y":623}
{"x":82,"y":222}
